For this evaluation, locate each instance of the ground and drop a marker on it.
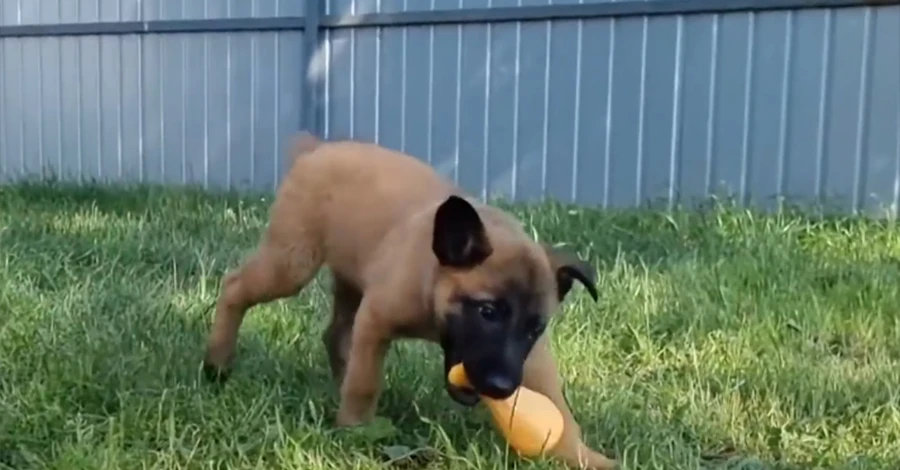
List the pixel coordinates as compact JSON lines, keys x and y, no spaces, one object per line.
{"x":723,"y":339}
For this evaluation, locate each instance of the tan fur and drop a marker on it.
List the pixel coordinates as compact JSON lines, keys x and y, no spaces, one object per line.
{"x":367,"y":213}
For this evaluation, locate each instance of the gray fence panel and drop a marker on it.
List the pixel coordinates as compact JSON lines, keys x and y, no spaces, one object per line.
{"x":22,"y":12}
{"x":618,"y":111}
{"x":192,"y":9}
{"x":342,"y":7}
{"x":212,"y":109}
{"x":611,"y":110}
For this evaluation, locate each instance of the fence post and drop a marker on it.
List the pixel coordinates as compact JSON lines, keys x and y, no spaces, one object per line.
{"x":309,"y":94}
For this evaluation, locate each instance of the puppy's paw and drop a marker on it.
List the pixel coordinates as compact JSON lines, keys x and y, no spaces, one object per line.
{"x":592,"y":460}
{"x":215,"y":374}
{"x":464,"y":396}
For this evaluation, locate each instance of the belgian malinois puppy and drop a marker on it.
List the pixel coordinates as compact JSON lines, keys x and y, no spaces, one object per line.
{"x":412,"y":256}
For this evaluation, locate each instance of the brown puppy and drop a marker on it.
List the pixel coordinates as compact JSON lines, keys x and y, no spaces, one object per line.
{"x":412,"y":256}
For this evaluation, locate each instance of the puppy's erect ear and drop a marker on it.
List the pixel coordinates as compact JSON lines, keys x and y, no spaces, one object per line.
{"x":301,"y":144}
{"x":570,"y":268}
{"x":459,"y":238}
{"x":304,"y":142}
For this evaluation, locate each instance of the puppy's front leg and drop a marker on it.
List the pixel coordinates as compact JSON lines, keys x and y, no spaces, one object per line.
{"x":541,"y":375}
{"x":361,"y":386}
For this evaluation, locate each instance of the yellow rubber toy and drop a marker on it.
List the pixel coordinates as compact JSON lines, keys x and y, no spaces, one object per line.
{"x":529,"y":421}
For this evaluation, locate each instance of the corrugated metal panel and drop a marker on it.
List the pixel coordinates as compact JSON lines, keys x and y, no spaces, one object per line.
{"x":393,"y":6}
{"x":193,"y":9}
{"x":21,"y":12}
{"x":602,"y":111}
{"x":617,"y":111}
{"x":200,"y":108}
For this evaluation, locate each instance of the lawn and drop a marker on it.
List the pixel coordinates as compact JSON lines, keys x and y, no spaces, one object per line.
{"x":723,"y":339}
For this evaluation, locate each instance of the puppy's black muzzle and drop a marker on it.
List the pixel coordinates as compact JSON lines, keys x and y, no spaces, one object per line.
{"x":485,"y":378}
{"x":494,"y":372}
{"x":494,"y":377}
{"x":498,"y":386}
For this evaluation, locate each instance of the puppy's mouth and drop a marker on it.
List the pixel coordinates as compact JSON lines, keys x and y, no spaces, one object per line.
{"x":498,"y":386}
{"x":488,"y":382}
{"x":464,"y":396}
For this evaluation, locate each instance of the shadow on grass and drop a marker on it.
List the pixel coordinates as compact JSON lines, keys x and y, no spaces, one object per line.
{"x":122,"y":334}
{"x":127,"y":321}
{"x":148,"y":356}
{"x":122,"y":343}
{"x":119,"y":199}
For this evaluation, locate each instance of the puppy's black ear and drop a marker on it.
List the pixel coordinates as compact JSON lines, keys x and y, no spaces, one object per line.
{"x":459,"y":238}
{"x":570,"y":268}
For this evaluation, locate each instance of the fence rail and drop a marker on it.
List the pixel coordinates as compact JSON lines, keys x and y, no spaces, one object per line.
{"x":601,"y":102}
{"x":549,"y":12}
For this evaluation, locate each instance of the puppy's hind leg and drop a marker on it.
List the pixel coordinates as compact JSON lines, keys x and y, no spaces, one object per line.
{"x":337,"y":336}
{"x":274,"y":271}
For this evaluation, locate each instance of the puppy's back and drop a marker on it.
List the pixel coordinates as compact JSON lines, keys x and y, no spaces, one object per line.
{"x":347,"y":195}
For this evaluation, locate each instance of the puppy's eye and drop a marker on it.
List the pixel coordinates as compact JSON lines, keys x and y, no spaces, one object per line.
{"x":488,"y":312}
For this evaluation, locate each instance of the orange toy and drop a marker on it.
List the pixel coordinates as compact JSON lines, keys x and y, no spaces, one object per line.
{"x":529,"y":421}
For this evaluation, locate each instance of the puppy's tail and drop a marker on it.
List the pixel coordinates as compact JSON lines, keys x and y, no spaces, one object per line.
{"x":302,"y":144}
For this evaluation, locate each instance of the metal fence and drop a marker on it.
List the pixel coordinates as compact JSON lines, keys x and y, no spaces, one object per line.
{"x":597,"y":102}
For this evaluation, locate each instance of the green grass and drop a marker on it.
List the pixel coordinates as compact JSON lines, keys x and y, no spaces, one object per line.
{"x":723,"y":339}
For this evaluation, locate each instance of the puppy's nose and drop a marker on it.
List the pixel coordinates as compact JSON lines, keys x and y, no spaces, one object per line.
{"x":498,"y":386}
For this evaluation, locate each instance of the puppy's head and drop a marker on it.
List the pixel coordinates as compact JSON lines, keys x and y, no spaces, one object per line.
{"x":494,"y":294}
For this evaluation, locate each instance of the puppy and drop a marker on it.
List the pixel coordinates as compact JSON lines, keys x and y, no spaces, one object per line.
{"x":412,"y":256}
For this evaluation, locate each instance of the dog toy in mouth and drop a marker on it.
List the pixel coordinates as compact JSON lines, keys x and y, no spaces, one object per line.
{"x":529,"y":421}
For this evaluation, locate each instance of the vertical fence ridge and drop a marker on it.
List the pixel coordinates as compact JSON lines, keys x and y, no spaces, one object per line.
{"x":641,"y":118}
{"x":486,"y":135}
{"x":896,"y":208}
{"x":206,"y":103}
{"x":710,"y":170}
{"x":457,"y":117}
{"x":79,"y":102}
{"x":22,"y":157}
{"x":4,"y":167}
{"x":675,"y":138}
{"x":824,"y":88}
{"x":860,"y":155}
{"x":430,"y":113}
{"x":548,"y":37}
{"x":276,"y":167}
{"x":517,"y":68}
{"x":607,"y":149}
{"x":120,"y":98}
{"x":576,"y":125}
{"x":785,"y":98}
{"x":746,"y":119}
{"x":39,"y":45}
{"x":161,"y":102}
